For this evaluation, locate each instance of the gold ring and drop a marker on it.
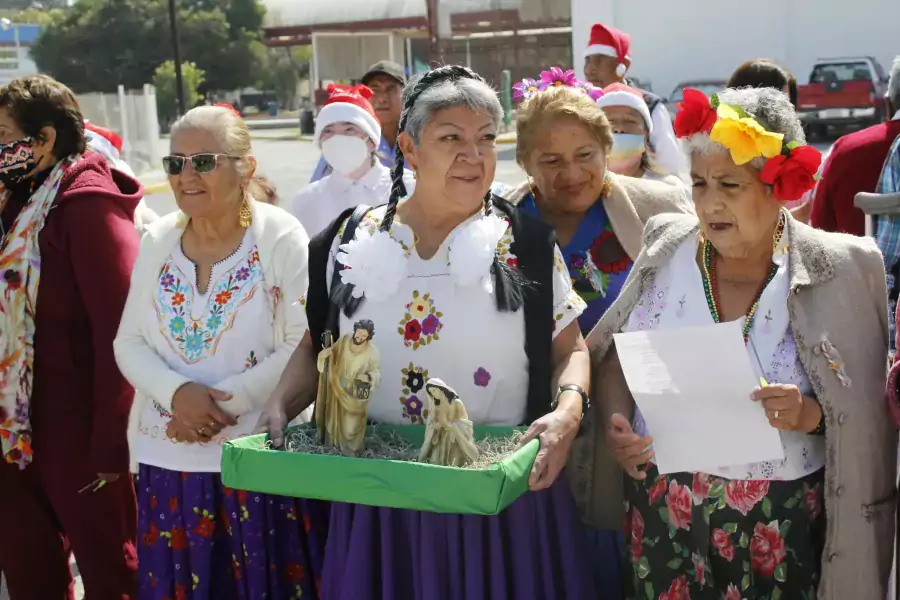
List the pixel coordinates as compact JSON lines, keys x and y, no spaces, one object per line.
{"x":776,"y":414}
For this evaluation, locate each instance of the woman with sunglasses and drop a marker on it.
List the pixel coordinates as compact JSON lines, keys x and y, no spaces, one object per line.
{"x":212,"y":317}
{"x":68,"y":247}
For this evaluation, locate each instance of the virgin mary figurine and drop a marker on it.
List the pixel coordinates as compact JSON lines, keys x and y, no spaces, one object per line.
{"x":449,"y":434}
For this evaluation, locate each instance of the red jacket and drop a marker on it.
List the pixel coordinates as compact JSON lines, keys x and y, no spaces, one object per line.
{"x":88,"y":247}
{"x":854,"y":166}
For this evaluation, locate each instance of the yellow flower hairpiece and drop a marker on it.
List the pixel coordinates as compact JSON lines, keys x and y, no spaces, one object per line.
{"x":744,"y":136}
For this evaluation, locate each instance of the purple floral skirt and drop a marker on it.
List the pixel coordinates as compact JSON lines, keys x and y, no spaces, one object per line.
{"x":199,"y":540}
{"x":534,"y":550}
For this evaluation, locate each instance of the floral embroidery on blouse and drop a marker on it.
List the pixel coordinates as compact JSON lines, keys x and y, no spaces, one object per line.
{"x":421,"y":323}
{"x":504,"y":252}
{"x":251,"y":360}
{"x":413,"y":380}
{"x":482,"y":377}
{"x":192,"y":338}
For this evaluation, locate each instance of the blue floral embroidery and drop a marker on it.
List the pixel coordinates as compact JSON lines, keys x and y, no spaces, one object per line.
{"x":193,"y":339}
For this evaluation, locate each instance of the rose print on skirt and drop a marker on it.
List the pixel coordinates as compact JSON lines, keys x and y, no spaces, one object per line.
{"x":698,"y":536}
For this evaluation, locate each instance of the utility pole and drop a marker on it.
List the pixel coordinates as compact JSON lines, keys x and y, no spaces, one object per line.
{"x":176,"y":49}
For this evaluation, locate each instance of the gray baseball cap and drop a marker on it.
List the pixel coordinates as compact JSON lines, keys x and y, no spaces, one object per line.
{"x":385,"y":67}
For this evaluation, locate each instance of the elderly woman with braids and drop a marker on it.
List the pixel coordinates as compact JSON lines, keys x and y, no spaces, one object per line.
{"x":812,"y":307}
{"x":467,"y":289}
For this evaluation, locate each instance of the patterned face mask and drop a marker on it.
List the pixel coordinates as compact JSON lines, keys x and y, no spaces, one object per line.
{"x":16,"y":161}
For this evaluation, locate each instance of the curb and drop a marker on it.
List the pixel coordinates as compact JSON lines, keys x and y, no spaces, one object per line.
{"x":156,"y":188}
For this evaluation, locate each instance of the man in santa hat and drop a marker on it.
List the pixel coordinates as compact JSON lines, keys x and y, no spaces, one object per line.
{"x":348,"y":133}
{"x":606,"y":61}
{"x":108,"y":144}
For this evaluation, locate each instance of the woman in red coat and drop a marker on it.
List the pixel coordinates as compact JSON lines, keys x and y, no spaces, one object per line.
{"x":68,"y":247}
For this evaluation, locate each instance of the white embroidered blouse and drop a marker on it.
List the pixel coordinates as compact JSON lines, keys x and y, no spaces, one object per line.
{"x":442,"y":321}
{"x":206,"y":337}
{"x":677,"y":299}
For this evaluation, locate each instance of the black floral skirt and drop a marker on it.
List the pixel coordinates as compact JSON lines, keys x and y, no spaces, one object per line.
{"x":694,"y":536}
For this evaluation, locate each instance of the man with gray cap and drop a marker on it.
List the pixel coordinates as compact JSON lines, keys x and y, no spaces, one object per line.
{"x":386,"y":79}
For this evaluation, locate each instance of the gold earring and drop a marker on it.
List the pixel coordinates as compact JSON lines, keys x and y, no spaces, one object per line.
{"x":245,"y":215}
{"x":531,"y":190}
{"x":415,"y":174}
{"x":606,"y":190}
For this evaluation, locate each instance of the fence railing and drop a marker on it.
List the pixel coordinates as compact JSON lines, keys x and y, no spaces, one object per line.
{"x":132,"y":114}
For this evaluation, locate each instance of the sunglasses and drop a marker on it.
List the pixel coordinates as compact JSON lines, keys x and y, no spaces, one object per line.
{"x":202,"y":163}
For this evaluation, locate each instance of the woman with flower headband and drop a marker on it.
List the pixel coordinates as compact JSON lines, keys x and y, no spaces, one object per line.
{"x":813,"y":311}
{"x":211,"y":319}
{"x":467,"y":289}
{"x":564,"y":145}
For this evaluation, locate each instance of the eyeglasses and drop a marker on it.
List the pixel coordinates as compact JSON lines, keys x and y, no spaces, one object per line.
{"x":202,"y":163}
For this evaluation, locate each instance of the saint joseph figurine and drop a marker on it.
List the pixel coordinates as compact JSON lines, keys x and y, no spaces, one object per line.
{"x":349,"y":372}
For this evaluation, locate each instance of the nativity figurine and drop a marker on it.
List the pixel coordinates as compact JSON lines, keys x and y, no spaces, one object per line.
{"x":449,"y":434}
{"x":349,"y":373}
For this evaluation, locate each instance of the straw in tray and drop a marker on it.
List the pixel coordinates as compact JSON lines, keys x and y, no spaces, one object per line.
{"x":386,"y":445}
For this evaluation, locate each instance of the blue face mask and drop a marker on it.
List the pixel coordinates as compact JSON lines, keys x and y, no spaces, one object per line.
{"x":626,"y":154}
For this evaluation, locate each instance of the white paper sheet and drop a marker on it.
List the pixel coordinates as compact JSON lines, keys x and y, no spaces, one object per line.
{"x":693,"y":387}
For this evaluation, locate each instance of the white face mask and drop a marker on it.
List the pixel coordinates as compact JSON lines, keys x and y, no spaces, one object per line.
{"x":345,"y":153}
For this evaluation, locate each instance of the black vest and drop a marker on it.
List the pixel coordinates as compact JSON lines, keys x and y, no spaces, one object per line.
{"x":533,"y":245}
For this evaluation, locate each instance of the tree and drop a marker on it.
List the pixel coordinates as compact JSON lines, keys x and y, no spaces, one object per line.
{"x":166,"y":94}
{"x":33,"y":16}
{"x":18,"y":5}
{"x":281,"y":69}
{"x":99,"y":44}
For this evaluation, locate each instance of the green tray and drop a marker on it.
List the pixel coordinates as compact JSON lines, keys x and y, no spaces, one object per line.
{"x":247,"y":465}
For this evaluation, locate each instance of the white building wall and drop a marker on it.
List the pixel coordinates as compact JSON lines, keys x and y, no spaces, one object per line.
{"x":677,"y":40}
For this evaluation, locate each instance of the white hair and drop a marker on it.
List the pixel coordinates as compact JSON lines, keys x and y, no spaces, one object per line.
{"x":894,"y":84}
{"x":470,"y":93}
{"x":233,"y":138}
{"x":225,"y":125}
{"x":770,"y":107}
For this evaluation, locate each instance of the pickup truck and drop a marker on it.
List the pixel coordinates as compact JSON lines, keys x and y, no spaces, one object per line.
{"x":845,"y":93}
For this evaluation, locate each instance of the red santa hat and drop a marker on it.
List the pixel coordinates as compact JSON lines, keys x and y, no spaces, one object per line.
{"x":619,"y":94}
{"x":349,"y":104}
{"x":609,"y":41}
{"x":103,"y":141}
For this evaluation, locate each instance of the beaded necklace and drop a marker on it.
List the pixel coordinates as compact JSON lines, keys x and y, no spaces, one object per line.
{"x":711,"y":290}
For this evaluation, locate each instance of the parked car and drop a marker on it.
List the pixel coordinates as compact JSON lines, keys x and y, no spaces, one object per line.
{"x":707,"y":86}
{"x":845,"y":93}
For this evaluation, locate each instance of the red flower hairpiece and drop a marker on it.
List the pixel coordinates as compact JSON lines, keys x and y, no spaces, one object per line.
{"x":696,"y":114}
{"x":229,"y":107}
{"x":792,"y":173}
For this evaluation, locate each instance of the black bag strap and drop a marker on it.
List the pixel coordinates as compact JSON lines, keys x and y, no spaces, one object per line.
{"x":320,"y":313}
{"x":534,"y":244}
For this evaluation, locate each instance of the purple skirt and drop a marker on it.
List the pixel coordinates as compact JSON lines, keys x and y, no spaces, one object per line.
{"x":534,"y":550}
{"x":199,"y":540}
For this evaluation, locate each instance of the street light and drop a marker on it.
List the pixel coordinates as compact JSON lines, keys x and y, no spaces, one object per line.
{"x":176,"y":50}
{"x":5,"y":24}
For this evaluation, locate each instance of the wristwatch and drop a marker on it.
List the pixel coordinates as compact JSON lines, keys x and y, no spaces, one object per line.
{"x":585,"y":399}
